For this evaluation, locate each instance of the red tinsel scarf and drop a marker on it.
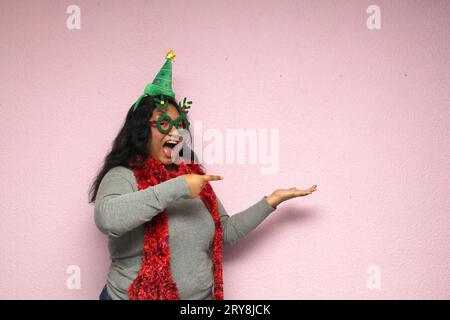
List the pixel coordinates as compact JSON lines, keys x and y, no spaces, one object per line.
{"x":154,"y":281}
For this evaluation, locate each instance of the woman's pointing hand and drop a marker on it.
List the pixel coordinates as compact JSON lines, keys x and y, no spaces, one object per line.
{"x":196,"y":182}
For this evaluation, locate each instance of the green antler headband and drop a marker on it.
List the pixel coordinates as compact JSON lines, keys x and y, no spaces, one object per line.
{"x":162,"y":85}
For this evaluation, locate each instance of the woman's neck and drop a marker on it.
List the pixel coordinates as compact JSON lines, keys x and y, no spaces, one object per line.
{"x":171,"y":167}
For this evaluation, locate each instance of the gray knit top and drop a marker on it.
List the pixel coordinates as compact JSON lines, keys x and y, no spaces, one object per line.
{"x":121,"y":211}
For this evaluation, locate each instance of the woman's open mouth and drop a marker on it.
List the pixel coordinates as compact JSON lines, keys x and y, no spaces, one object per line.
{"x":168,"y":147}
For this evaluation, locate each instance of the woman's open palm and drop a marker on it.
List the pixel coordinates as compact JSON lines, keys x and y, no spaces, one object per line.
{"x":281,"y":195}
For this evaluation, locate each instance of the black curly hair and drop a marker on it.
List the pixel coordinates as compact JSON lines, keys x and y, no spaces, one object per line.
{"x":132,"y":140}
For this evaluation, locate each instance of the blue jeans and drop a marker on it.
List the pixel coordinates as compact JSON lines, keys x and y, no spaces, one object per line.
{"x":104,"y":294}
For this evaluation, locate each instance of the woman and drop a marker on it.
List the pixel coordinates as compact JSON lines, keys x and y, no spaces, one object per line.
{"x":165,"y":224}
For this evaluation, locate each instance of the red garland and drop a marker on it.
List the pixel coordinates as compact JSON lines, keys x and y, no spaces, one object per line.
{"x":154,"y":281}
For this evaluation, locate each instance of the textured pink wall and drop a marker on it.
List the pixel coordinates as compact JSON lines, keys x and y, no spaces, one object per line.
{"x":364,"y":114}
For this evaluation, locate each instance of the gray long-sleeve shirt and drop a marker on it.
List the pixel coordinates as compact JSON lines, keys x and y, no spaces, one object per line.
{"x":121,"y":211}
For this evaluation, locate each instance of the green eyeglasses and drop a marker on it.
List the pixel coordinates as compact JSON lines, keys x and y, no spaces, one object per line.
{"x":165,"y":123}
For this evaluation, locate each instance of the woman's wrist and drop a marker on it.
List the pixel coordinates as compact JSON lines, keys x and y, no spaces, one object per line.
{"x":273,"y":201}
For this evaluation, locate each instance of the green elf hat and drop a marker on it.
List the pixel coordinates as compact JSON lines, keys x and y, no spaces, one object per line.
{"x":162,"y":84}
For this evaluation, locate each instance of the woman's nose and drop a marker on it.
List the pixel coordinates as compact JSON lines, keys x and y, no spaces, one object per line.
{"x":173,"y":130}
{"x":175,"y":133}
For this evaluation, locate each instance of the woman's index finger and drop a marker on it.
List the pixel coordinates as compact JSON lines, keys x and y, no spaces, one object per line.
{"x":210,"y":177}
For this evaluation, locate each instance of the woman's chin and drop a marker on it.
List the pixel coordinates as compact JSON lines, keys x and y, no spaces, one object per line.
{"x":165,"y":160}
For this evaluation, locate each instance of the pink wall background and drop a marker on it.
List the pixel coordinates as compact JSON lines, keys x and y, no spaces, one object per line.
{"x":364,"y":114}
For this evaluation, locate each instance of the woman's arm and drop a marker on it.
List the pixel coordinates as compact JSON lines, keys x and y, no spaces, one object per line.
{"x":237,"y":226}
{"x":119,"y":209}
